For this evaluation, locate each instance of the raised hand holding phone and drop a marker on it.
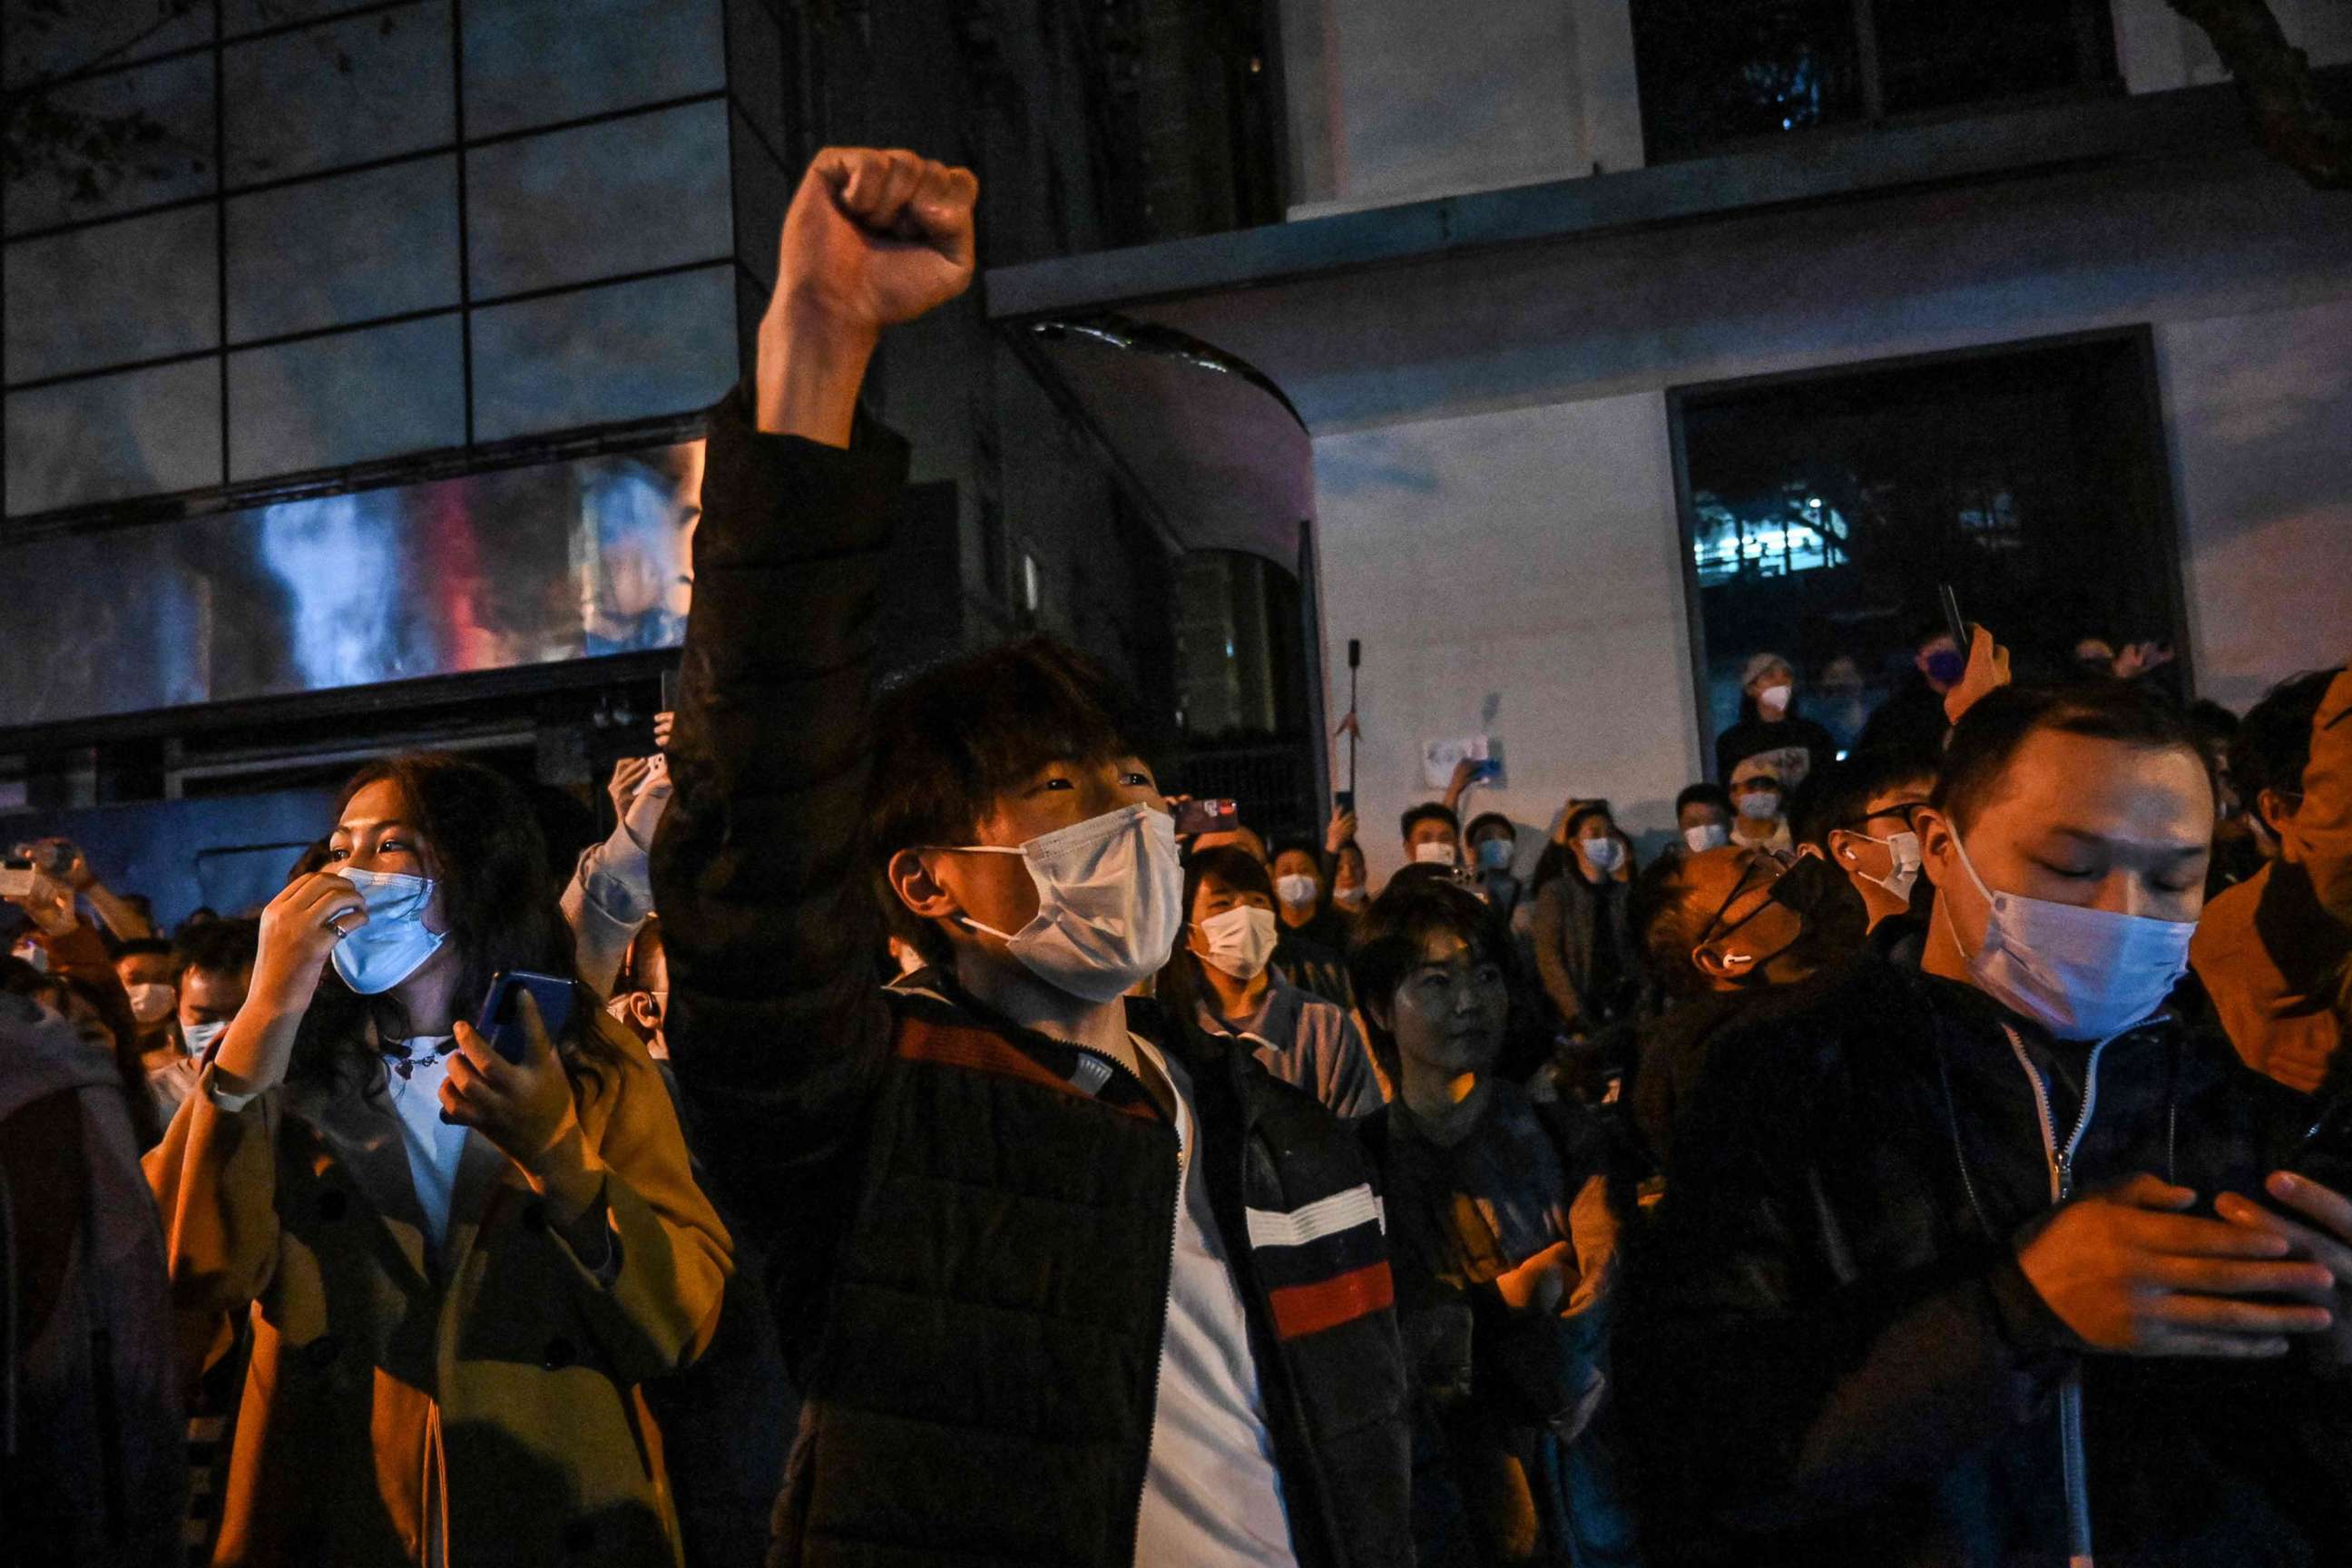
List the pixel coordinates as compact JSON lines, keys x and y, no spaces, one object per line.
{"x":525,"y":1109}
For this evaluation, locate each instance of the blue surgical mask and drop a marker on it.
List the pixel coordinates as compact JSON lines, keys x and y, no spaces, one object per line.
{"x":1495,"y":854}
{"x":393,"y":944}
{"x":2081,"y":973}
{"x":200,"y":1038}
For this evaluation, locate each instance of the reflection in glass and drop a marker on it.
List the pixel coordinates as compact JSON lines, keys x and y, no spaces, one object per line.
{"x":490,"y":571}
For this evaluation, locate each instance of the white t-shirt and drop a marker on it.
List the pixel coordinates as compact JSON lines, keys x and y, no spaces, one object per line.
{"x":1211,"y":1496}
{"x":433,"y":1146}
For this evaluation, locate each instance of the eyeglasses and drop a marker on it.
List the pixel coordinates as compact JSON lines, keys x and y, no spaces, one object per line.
{"x":1902,"y":808}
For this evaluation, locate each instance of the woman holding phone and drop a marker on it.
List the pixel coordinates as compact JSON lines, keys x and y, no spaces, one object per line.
{"x":459,"y":1266}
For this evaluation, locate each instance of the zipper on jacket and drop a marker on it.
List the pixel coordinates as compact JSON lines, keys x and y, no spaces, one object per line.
{"x":2061,"y":1158}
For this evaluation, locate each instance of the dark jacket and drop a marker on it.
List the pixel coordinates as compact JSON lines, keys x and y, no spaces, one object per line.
{"x":1753,"y":735}
{"x":90,"y":1397}
{"x":968,"y":1226}
{"x":1910,"y":723}
{"x":1584,"y":950}
{"x":1831,"y":1354}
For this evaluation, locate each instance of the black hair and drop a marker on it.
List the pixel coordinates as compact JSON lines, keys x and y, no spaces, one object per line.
{"x":1664,"y":928}
{"x":1182,"y":982}
{"x":1558,"y":855}
{"x":142,"y":947}
{"x":1485,"y":819}
{"x":1987,"y":737}
{"x":1393,"y":934}
{"x":2273,"y":746}
{"x":1704,"y":793}
{"x":1837,"y":795}
{"x":951,"y":740}
{"x":499,"y":896}
{"x":219,"y":947}
{"x":1295,"y":844}
{"x":1427,"y":811}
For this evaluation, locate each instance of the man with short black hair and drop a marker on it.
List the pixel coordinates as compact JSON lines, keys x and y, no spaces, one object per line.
{"x":1926,"y":1286}
{"x":1432,"y":834}
{"x":1859,"y":816}
{"x":215,"y":965}
{"x":1703,"y":815}
{"x":1064,"y":1281}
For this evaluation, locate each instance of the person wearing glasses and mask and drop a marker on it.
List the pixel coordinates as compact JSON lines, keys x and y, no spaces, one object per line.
{"x":1859,"y":816}
{"x":1994,"y":1262}
{"x":1726,"y":936}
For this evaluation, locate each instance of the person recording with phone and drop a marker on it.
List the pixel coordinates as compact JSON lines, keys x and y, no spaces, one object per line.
{"x":460,"y":1248}
{"x":611,"y":892}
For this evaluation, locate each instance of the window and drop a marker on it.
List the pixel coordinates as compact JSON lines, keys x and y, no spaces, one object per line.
{"x":458,"y":222}
{"x":1719,"y":72}
{"x":1823,"y":511}
{"x":1241,"y":687}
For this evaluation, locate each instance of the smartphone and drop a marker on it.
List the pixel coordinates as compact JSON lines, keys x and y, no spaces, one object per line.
{"x":503,"y":1030}
{"x":1343,"y":799}
{"x":1195,"y":818}
{"x":18,"y":878}
{"x":1953,"y":622}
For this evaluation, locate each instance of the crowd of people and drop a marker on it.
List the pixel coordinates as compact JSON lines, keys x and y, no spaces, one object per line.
{"x":892,"y":1144}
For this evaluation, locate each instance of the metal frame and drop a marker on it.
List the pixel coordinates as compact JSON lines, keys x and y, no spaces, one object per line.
{"x":229,"y":491}
{"x":2139,"y":339}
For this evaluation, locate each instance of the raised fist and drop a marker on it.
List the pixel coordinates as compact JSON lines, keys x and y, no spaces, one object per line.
{"x":875,"y":238}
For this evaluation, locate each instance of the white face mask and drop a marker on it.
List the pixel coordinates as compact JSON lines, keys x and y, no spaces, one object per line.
{"x":1241,"y":941}
{"x":1705,"y":836}
{"x":1601,"y":854}
{"x":1434,"y":852}
{"x":152,"y":1002}
{"x":2081,"y":973}
{"x":1775,"y":698}
{"x":1350,"y":897}
{"x":1760,"y":806}
{"x":1298,"y":890}
{"x":1904,"y":847}
{"x":200,"y":1038}
{"x":1110,"y":897}
{"x":393,"y":944}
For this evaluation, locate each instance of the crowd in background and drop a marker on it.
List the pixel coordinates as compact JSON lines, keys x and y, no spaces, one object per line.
{"x":1937,"y":1153}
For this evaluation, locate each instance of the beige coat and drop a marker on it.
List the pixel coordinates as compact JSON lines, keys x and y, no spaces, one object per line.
{"x":482,"y":1410}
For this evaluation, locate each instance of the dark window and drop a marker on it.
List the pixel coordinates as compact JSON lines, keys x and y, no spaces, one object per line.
{"x":1715,"y":73}
{"x":1822,"y":510}
{"x":1241,"y":674}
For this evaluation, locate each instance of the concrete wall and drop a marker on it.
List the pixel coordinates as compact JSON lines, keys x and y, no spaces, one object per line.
{"x":1514,"y":573}
{"x":1393,"y":100}
{"x":2259,"y":410}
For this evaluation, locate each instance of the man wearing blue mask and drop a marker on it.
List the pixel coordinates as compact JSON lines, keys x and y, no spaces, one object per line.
{"x":1946,"y":1258}
{"x":1063,"y":1281}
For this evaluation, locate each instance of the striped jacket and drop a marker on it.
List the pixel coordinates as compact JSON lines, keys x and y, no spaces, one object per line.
{"x":968,"y":1226}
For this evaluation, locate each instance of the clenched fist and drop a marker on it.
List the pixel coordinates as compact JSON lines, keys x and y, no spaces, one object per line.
{"x":873,"y":239}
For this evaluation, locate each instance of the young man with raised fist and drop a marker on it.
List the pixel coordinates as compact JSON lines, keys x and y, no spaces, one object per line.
{"x":1064,"y":1284}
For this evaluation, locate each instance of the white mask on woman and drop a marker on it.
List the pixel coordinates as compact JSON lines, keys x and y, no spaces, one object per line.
{"x":1241,"y":940}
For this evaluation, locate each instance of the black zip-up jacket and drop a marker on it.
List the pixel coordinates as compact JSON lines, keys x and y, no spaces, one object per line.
{"x":970,"y":1226}
{"x":1830,"y":1353}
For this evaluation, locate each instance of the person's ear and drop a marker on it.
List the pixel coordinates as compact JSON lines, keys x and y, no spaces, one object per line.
{"x":912,"y":880}
{"x":2277,"y":812}
{"x":1939,"y":853}
{"x":641,"y":1012}
{"x":1843,"y":849}
{"x":1717,"y":964}
{"x":1378,"y":1010}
